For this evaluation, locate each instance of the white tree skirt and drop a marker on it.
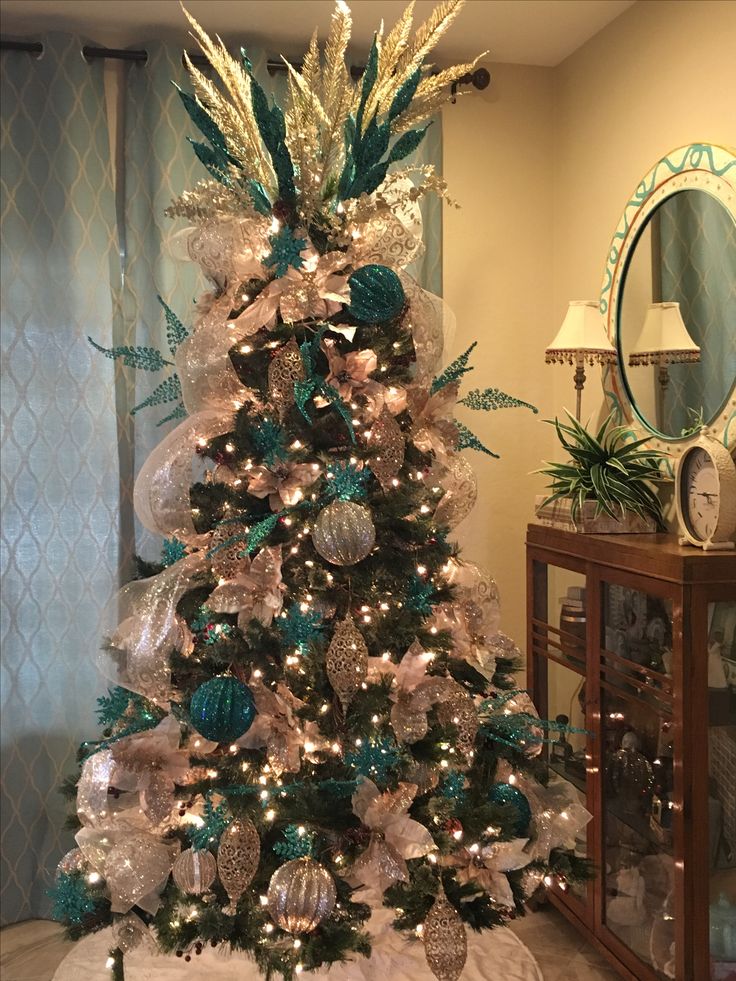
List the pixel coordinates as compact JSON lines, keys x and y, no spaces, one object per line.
{"x":495,"y":955}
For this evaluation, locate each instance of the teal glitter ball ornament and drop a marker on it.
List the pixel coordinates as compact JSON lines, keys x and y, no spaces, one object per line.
{"x":222,"y":709}
{"x":504,"y":793}
{"x":376,"y":294}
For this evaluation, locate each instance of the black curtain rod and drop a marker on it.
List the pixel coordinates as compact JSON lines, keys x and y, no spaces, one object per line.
{"x":130,"y":54}
{"x":479,"y":79}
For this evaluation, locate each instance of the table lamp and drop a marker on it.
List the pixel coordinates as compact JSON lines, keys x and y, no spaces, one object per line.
{"x":663,"y":341}
{"x":581,"y":338}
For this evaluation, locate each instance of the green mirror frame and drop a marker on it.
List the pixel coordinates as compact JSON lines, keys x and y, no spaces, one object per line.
{"x":704,"y":166}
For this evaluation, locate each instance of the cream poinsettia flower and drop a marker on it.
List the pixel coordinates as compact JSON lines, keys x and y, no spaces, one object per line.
{"x":350,"y":374}
{"x":283,"y":484}
{"x":257,"y":592}
{"x":486,"y":866}
{"x":277,"y":729}
{"x":433,"y":428}
{"x":316,"y":289}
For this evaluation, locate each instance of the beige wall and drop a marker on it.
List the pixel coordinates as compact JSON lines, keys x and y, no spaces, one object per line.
{"x":542,"y":164}
{"x":498,"y":281}
{"x":658,"y":77}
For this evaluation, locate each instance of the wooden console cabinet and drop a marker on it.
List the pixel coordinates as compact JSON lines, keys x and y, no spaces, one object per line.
{"x":632,"y":638}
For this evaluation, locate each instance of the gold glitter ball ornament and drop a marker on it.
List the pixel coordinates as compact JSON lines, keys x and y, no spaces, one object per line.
{"x":237,"y":859}
{"x":347,"y":661}
{"x":445,"y":940}
{"x":459,"y":710}
{"x":300,"y":895}
{"x":387,"y":442}
{"x":344,"y":533}
{"x":286,"y":368}
{"x":194,"y":871}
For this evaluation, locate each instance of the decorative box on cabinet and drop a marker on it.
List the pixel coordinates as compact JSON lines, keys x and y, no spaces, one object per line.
{"x":625,"y":635}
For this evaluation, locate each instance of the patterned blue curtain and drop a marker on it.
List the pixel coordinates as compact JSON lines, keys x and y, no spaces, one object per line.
{"x":60,"y":480}
{"x":697,"y":267}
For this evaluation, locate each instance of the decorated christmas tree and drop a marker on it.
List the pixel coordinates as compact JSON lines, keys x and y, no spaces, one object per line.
{"x":314,"y":718}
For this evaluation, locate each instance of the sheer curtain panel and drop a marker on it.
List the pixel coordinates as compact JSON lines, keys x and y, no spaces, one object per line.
{"x":60,"y":487}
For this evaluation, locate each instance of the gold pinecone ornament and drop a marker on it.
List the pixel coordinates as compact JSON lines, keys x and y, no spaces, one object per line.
{"x":459,"y":710}
{"x":445,"y":940}
{"x":300,"y":895}
{"x":286,"y":368}
{"x":387,"y":442}
{"x":347,"y":661}
{"x":237,"y":859}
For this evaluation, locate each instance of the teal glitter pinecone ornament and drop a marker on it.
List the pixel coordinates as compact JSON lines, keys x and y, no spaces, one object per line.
{"x":504,"y":793}
{"x":222,"y":709}
{"x":376,"y":294}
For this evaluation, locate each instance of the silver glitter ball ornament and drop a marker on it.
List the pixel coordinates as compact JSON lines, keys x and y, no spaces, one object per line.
{"x":194,"y":871}
{"x":344,"y":533}
{"x":445,"y":940}
{"x":300,"y":895}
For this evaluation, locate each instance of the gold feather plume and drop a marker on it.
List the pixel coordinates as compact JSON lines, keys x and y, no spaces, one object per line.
{"x":321,"y":96}
{"x":237,"y":115}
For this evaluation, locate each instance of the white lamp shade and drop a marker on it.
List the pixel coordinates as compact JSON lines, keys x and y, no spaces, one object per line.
{"x":582,"y":336}
{"x":664,"y":338}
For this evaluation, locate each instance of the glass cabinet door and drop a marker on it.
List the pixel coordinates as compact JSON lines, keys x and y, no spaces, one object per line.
{"x":636,"y":755}
{"x":721,"y":665}
{"x":559,"y":649}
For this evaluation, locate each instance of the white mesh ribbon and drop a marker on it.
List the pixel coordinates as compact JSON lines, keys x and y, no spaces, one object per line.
{"x":144,"y":629}
{"x":161,"y":494}
{"x":225,"y":251}
{"x":135,"y":864}
{"x":432,"y":326}
{"x":94,"y":781}
{"x":208,"y":378}
{"x":558,"y":815}
{"x":455,"y":475}
{"x":393,"y":234}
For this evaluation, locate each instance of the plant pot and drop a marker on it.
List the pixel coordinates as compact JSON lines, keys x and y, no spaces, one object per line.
{"x":558,"y":514}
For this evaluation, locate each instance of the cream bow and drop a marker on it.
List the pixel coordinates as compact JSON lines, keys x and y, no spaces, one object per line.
{"x":395,"y":836}
{"x":151,"y":764}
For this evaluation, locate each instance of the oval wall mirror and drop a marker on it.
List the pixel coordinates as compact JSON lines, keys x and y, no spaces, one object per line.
{"x":669,"y":300}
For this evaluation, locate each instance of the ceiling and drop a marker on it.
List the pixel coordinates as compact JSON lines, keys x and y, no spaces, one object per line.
{"x":528,"y":32}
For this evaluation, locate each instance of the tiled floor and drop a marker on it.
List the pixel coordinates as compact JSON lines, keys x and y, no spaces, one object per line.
{"x":561,"y":952}
{"x":32,"y":951}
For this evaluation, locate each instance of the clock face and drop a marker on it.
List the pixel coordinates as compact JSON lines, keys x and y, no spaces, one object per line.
{"x":700,"y":494}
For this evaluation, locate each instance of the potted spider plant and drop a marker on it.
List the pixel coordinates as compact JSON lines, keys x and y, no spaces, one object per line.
{"x":606,"y":485}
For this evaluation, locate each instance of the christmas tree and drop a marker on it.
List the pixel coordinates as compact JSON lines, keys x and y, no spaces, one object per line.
{"x":314,"y":714}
